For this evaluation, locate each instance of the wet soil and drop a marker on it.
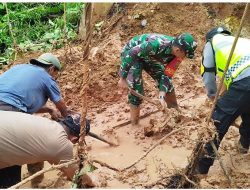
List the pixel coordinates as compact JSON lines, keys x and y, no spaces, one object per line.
{"x":107,"y":107}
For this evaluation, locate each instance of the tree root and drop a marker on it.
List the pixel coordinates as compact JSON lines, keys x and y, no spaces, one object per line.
{"x":105,"y":165}
{"x":153,"y":147}
{"x":53,"y":167}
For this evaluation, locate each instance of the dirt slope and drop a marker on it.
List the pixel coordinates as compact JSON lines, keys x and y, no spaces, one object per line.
{"x":107,"y":108}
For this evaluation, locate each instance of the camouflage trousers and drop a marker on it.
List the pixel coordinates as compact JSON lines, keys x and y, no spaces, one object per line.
{"x":135,"y":81}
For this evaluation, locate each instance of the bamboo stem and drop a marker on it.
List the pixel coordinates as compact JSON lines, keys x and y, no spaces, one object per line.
{"x":105,"y":165}
{"x":231,"y":182}
{"x":85,"y":80}
{"x":143,"y":97}
{"x":52,"y":167}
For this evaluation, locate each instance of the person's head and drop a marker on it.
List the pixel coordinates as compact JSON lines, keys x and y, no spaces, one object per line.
{"x":49,"y":62}
{"x":184,"y":45}
{"x":217,"y":30}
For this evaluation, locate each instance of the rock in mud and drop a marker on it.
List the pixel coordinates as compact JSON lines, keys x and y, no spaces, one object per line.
{"x":149,"y":130}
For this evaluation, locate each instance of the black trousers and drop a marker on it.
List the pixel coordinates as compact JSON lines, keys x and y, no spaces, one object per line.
{"x":11,"y":175}
{"x":234,"y":103}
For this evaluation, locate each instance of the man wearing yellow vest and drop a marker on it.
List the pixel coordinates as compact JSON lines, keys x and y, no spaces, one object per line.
{"x":236,"y":100}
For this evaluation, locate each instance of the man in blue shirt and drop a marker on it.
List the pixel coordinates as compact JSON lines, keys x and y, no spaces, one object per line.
{"x":29,"y":86}
{"x":26,"y":88}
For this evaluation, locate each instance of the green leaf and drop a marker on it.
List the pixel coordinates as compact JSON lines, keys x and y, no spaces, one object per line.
{"x":52,"y":23}
{"x":38,"y":23}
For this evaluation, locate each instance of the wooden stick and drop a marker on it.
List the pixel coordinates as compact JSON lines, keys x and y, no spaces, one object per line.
{"x":108,"y":28}
{"x":154,"y":146}
{"x":143,"y":97}
{"x":88,"y":9}
{"x":190,"y":181}
{"x":105,"y":165}
{"x":52,"y":167}
{"x":231,"y":182}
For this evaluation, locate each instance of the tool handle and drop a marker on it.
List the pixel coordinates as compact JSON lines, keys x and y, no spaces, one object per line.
{"x":100,"y":138}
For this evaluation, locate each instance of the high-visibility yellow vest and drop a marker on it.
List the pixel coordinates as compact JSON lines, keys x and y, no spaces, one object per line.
{"x":240,"y":60}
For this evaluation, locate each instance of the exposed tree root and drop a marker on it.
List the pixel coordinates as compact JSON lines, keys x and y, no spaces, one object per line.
{"x":153,"y":147}
{"x":105,"y":165}
{"x":53,"y":167}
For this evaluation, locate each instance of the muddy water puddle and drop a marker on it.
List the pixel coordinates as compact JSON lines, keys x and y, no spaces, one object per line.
{"x":132,"y":146}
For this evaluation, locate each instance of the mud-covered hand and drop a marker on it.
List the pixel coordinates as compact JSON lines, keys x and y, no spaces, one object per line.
{"x":209,"y":102}
{"x":55,"y":115}
{"x":162,"y":100}
{"x":87,"y":126}
{"x":122,"y":86}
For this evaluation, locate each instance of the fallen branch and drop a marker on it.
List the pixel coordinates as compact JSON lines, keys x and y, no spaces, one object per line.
{"x":111,"y":25}
{"x":153,"y":147}
{"x":52,"y":167}
{"x":190,"y":181}
{"x":105,"y":165}
{"x":231,"y":181}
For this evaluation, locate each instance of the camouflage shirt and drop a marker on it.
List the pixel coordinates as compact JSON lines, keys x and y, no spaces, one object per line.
{"x":146,"y":47}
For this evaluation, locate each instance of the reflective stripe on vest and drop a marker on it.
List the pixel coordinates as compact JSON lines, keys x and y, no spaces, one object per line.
{"x":240,"y":60}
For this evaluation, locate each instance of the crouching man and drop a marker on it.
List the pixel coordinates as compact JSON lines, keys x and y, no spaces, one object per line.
{"x":27,"y":139}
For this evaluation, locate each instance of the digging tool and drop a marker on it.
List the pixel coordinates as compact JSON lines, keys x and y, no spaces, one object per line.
{"x":101,"y":139}
{"x":148,"y":99}
{"x":143,"y":97}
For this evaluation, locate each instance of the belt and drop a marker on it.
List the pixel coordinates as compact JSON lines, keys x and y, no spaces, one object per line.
{"x":7,"y":107}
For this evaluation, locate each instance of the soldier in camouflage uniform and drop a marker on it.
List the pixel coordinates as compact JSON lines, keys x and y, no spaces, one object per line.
{"x":152,"y":52}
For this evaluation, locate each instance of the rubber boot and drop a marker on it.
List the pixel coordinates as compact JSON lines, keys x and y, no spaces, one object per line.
{"x":134,"y":114}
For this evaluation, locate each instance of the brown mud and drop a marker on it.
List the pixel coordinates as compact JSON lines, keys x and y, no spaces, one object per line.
{"x":107,"y":107}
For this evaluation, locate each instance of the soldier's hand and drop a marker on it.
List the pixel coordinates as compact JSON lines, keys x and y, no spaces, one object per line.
{"x":209,"y":102}
{"x":163,"y":103}
{"x":123,"y":86}
{"x":122,"y":83}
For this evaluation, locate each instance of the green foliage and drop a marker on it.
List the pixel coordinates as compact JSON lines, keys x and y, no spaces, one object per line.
{"x":38,"y":26}
{"x":88,"y":168}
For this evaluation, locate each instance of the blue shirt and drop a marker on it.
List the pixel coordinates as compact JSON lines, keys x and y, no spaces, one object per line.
{"x":28,"y":87}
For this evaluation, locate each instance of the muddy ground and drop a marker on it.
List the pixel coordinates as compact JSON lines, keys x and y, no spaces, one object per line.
{"x":107,"y":107}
